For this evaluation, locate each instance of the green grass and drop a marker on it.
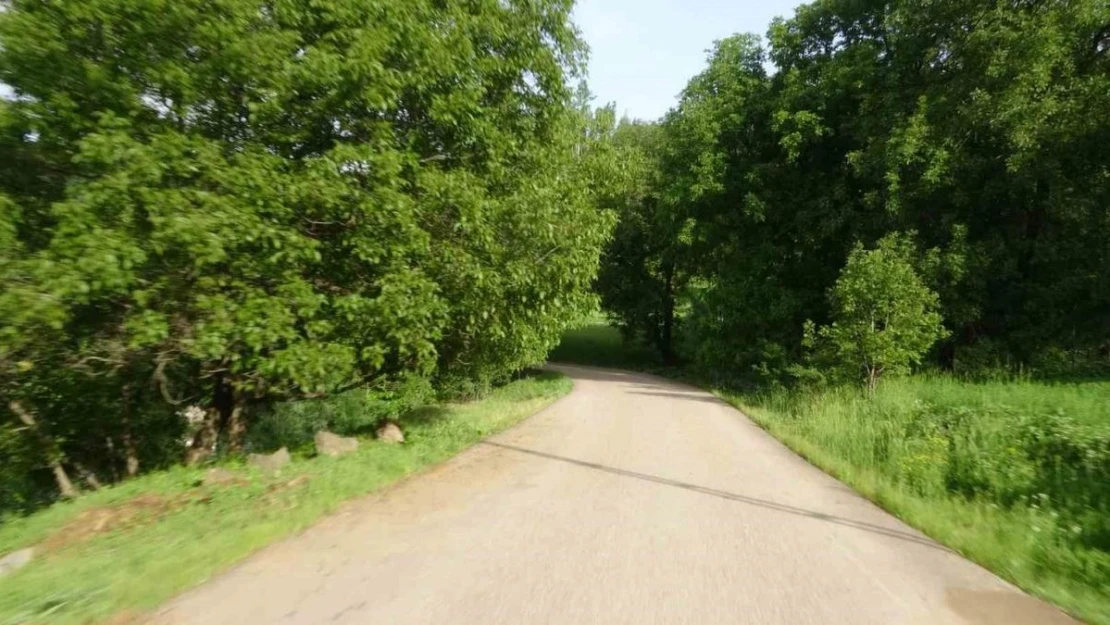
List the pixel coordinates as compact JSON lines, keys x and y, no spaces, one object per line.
{"x":598,"y":344}
{"x":1014,"y":474}
{"x":169,"y":547}
{"x":975,"y":466}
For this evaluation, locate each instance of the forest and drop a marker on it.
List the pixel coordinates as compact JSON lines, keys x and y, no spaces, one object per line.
{"x":883,"y":229}
{"x":943,"y":165}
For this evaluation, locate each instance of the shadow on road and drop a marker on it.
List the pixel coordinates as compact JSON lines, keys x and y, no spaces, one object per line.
{"x":763,"y":503}
{"x":597,"y":374}
{"x":687,"y":396}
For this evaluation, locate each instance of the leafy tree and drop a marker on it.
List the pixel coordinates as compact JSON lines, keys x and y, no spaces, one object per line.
{"x":637,"y":280}
{"x":667,"y":235}
{"x":884,"y":317}
{"x":968,"y":122}
{"x":222,"y":203}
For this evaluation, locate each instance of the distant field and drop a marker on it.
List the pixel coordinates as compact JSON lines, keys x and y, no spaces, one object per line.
{"x":128,"y":548}
{"x":1014,"y":474}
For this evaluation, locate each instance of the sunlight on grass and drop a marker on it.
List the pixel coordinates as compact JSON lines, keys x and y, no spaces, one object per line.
{"x":1011,"y":472}
{"x":953,"y":459}
{"x":183,"y":534}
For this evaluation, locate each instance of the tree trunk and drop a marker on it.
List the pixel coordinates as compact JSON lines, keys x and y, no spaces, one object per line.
{"x":204,"y":440}
{"x":130,"y":454}
{"x":49,"y":448}
{"x":65,"y":487}
{"x":236,"y":427}
{"x":873,"y":375}
{"x":666,"y":347}
{"x":87,"y":475}
{"x":223,"y":415}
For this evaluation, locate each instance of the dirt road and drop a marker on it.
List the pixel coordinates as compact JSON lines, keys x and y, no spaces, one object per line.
{"x":633,"y":500}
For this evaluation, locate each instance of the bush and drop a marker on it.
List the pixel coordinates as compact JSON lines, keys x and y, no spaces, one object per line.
{"x":353,"y":413}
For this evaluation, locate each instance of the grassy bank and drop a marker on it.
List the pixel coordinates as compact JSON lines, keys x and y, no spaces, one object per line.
{"x":129,"y":548}
{"x":1014,"y":474}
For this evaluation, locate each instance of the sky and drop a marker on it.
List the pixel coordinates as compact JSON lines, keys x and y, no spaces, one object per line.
{"x":643,"y":52}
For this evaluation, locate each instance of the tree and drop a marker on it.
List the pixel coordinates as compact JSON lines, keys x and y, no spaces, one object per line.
{"x":967,"y":122}
{"x":884,"y":317}
{"x":637,"y":277}
{"x":220,"y":203}
{"x":668,"y":235}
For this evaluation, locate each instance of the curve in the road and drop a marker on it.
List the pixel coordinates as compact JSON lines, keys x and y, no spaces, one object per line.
{"x":632,"y":500}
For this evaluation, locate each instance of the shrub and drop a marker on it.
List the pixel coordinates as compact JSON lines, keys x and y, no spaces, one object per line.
{"x":353,"y":413}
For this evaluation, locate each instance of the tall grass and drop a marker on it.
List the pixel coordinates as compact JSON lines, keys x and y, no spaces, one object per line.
{"x":1014,"y":474}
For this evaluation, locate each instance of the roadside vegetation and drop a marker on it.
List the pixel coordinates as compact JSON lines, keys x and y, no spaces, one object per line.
{"x":211,"y":208}
{"x":227,"y":226}
{"x":124,"y":550}
{"x":890,"y":249}
{"x":1015,"y":474}
{"x":1012,"y":472}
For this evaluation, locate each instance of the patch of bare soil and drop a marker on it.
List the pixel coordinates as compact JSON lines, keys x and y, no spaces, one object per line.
{"x":101,"y":520}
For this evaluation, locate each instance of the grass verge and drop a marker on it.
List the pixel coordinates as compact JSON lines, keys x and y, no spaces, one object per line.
{"x":1013,"y":474}
{"x":129,"y":548}
{"x":966,"y":483}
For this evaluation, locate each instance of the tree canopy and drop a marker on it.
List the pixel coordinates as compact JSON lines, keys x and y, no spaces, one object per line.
{"x":978,"y":126}
{"x":219,"y":203}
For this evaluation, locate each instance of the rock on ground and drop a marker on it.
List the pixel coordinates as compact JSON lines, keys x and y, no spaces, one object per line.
{"x":390,"y":432}
{"x":219,"y":476}
{"x":271,"y":463}
{"x":16,"y":560}
{"x":329,"y":444}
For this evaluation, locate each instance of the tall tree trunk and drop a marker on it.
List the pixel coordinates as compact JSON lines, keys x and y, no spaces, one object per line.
{"x":49,"y":448}
{"x":128,"y":439}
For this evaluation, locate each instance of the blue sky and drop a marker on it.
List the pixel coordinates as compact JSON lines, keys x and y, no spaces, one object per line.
{"x":642,"y":52}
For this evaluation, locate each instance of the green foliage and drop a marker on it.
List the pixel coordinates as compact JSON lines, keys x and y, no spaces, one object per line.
{"x":967,"y":122}
{"x":352,"y":413}
{"x":884,"y":318}
{"x":650,"y":268}
{"x":222,"y":204}
{"x":637,"y":281}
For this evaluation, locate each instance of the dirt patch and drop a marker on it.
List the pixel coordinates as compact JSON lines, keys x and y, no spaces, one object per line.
{"x":145,"y":510}
{"x":982,"y":607}
{"x":99,"y":521}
